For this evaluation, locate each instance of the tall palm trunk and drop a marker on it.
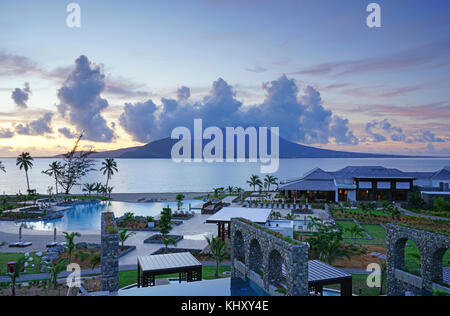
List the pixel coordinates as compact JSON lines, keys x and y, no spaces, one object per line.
{"x":56,"y":184}
{"x":217,"y":270}
{"x":107,"y":179}
{"x":28,"y":182}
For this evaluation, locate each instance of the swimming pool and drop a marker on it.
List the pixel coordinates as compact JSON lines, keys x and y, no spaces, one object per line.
{"x":218,"y":287}
{"x":86,"y":216}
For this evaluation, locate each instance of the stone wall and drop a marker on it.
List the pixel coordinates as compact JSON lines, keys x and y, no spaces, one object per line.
{"x":432,"y":248}
{"x":109,"y":255}
{"x":266,"y":253}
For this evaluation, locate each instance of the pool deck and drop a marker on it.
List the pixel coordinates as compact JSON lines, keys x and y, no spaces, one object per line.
{"x":138,"y":197}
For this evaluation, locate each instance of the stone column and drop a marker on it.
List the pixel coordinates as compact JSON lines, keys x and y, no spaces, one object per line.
{"x":109,"y":254}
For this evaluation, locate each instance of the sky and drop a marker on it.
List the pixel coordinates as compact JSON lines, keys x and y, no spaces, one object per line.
{"x":135,"y":70}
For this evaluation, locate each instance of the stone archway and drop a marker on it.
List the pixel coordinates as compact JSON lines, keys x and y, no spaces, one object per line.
{"x":275,"y":267}
{"x":238,"y":246}
{"x":432,"y":248}
{"x":255,"y":257}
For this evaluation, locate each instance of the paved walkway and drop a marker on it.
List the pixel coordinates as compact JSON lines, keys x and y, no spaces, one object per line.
{"x":409,"y":213}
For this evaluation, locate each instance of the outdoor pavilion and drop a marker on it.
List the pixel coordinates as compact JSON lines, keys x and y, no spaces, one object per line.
{"x":184,"y":263}
{"x":321,"y":274}
{"x":224,"y":216}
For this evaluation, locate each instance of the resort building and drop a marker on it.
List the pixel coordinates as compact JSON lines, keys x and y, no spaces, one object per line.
{"x":366,"y":183}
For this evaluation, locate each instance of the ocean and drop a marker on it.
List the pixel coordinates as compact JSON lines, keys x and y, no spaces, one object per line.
{"x":164,"y":175}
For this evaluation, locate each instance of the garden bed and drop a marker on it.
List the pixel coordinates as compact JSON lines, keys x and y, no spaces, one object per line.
{"x":157,"y":239}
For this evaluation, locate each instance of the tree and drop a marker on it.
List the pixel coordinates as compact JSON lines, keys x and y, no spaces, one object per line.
{"x":217,"y":192}
{"x":254,"y":182}
{"x":290,"y":217}
{"x":355,"y":231}
{"x":218,"y":248}
{"x":18,"y":267}
{"x":276,"y":215}
{"x":326,"y":240}
{"x":179,"y":198}
{"x":75,"y":166}
{"x":415,"y":201}
{"x":109,"y":190}
{"x":89,"y":188}
{"x":441,"y":205}
{"x":109,"y":166}
{"x":54,"y":269}
{"x":269,"y":180}
{"x":54,"y":171}
{"x":25,"y":162}
{"x":165,"y":221}
{"x":124,"y":235}
{"x":70,"y":243}
{"x":168,"y":241}
{"x":95,"y":260}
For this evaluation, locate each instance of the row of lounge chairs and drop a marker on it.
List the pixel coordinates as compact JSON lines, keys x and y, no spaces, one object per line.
{"x":278,"y":206}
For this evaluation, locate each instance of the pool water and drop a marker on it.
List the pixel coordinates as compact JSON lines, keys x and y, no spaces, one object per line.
{"x":301,"y":225}
{"x":87,"y":216}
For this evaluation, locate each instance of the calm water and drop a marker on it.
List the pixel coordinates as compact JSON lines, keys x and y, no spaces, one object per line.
{"x":87,"y":216}
{"x":163,"y":175}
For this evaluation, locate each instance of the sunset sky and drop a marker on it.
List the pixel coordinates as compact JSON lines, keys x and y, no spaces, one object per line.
{"x":137,"y":69}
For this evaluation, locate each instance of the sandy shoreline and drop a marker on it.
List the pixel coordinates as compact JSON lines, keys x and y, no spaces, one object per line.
{"x":169,"y":197}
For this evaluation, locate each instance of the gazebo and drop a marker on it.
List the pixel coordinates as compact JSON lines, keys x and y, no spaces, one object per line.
{"x":184,"y":263}
{"x":223,"y":218}
{"x":321,"y":274}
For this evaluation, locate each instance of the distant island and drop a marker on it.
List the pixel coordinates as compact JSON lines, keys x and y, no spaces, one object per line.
{"x":161,"y":149}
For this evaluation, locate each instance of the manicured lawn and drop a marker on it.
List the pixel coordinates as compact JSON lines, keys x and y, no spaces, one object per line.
{"x":378,"y":232}
{"x":359,"y":281}
{"x":5,"y":257}
{"x":130,"y":277}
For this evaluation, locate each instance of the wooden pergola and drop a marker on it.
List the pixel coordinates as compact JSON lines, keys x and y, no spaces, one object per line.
{"x":321,"y":274}
{"x":184,"y":263}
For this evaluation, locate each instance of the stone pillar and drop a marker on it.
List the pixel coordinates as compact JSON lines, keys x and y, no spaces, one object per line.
{"x":109,"y":253}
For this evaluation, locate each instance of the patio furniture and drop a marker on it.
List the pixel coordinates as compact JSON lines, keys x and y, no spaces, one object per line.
{"x":20,"y":244}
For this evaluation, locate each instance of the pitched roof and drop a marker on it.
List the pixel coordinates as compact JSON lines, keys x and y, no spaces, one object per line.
{"x":309,"y":185}
{"x":443,"y":174}
{"x":163,"y":262}
{"x":318,"y":174}
{"x":370,"y":172}
{"x":319,"y":271}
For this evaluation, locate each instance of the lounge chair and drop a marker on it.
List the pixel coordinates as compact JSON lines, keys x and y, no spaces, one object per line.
{"x":20,"y":244}
{"x":51,"y":244}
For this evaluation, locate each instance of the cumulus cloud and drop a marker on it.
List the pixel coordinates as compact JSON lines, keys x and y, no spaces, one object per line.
{"x":81,"y":101}
{"x":301,"y":118}
{"x":381,"y":131}
{"x":6,"y":133}
{"x":183,"y":93}
{"x":428,"y":137}
{"x":20,"y":96}
{"x":37,"y":127}
{"x":67,"y":133}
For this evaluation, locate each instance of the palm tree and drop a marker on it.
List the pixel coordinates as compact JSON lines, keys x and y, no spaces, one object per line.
{"x":70,"y":243}
{"x":95,"y":260}
{"x":269,"y":180}
{"x":54,"y":170}
{"x":54,"y":269}
{"x":179,"y":198}
{"x":109,"y":191}
{"x":333,"y":252}
{"x":230,"y":189}
{"x":254,"y":182}
{"x":124,"y":235}
{"x":24,"y":161}
{"x":355,"y":231}
{"x":218,"y":248}
{"x":89,"y":187}
{"x":217,"y":192}
{"x":109,"y":167}
{"x":16,"y":274}
{"x":2,"y":167}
